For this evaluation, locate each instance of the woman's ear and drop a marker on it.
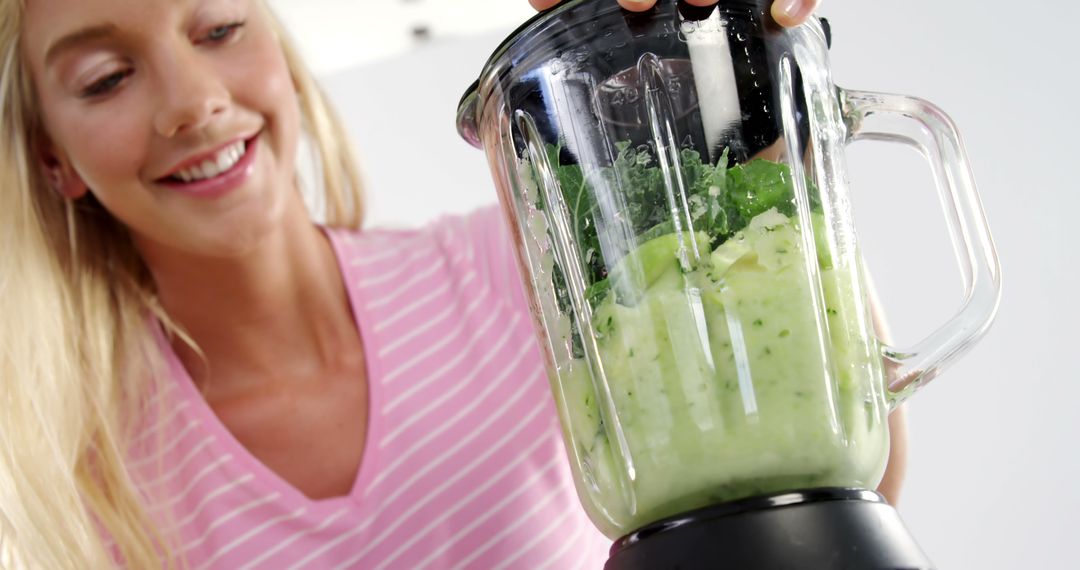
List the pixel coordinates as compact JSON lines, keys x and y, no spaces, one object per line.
{"x":60,"y":174}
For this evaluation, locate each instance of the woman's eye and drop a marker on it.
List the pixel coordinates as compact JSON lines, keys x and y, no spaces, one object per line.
{"x":106,"y":84}
{"x":222,"y":33}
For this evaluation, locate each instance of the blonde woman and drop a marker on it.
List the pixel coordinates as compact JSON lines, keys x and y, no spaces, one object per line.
{"x":193,"y":373}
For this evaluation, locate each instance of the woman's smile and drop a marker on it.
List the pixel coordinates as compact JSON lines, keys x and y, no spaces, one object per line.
{"x":215,"y":173}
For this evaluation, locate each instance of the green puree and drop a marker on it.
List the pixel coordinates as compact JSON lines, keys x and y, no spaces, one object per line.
{"x":732,"y":373}
{"x":721,"y":387}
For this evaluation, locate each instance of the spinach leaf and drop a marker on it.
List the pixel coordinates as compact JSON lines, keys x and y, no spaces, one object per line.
{"x":722,"y":200}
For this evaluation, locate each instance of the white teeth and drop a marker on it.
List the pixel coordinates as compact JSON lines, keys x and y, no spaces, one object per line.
{"x":226,"y":159}
{"x":209,"y":169}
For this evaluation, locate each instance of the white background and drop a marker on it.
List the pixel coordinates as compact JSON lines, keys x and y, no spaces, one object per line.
{"x":995,"y":457}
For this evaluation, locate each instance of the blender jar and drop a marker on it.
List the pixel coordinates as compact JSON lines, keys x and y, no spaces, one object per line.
{"x":675,"y":184}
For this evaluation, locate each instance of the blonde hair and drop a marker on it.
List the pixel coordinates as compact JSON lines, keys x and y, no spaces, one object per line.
{"x":76,"y":358}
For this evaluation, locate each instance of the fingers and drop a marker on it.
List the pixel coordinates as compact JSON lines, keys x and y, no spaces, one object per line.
{"x":632,"y":5}
{"x":791,"y":13}
{"x":896,"y":469}
{"x":637,"y":5}
{"x":543,"y":4}
{"x":642,"y":5}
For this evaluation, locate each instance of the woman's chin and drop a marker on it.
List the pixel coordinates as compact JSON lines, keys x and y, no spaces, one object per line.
{"x":204,"y":240}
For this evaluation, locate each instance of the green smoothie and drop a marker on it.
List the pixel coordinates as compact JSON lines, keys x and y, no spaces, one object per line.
{"x":709,"y":365}
{"x":727,"y":381}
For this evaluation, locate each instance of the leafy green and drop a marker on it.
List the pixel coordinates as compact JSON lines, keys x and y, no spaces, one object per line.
{"x":721,"y":200}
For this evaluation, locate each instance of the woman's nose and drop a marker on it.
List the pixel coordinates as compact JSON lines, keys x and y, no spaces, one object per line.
{"x":192,"y":93}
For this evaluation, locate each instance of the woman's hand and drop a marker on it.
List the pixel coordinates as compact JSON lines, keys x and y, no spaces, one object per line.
{"x":788,"y":13}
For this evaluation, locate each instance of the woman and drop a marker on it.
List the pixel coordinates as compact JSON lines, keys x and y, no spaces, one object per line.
{"x":193,"y":370}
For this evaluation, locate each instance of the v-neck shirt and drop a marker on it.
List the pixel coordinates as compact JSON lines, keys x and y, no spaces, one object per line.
{"x":464,"y":465}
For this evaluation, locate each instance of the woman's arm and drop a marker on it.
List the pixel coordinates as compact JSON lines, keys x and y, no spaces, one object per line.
{"x":898,"y":450}
{"x":786,"y":12}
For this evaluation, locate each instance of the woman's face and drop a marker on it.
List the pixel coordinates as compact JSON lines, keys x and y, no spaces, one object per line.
{"x":180,"y":116}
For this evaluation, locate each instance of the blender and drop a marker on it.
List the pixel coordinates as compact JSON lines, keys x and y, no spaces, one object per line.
{"x":675,"y":186}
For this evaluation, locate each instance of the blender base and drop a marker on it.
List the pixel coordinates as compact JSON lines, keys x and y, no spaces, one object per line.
{"x":805,"y":530}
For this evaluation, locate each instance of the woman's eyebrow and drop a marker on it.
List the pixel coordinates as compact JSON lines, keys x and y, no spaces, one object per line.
{"x":77,"y":38}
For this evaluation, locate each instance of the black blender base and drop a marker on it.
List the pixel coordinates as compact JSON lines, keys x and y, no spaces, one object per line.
{"x":827,"y":529}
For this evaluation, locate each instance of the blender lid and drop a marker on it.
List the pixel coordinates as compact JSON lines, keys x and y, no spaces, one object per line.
{"x":467,"y":118}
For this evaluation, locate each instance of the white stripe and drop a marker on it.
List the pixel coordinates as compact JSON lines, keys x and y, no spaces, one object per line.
{"x":251,"y":533}
{"x":413,"y":306}
{"x":405,"y":265}
{"x":406,"y":286}
{"x":211,"y":496}
{"x":481,"y":296}
{"x":480,"y":398}
{"x":457,"y":258}
{"x":183,"y":462}
{"x":573,"y":541}
{"x":419,"y":357}
{"x":166,"y":448}
{"x":520,"y":520}
{"x":430,"y":496}
{"x":446,"y":544}
{"x":450,"y":237}
{"x":447,"y":338}
{"x":404,"y":517}
{"x":405,"y":338}
{"x":227,"y":517}
{"x":293,"y":539}
{"x":458,"y":387}
{"x":194,"y":481}
{"x":361,"y":260}
{"x":450,"y":452}
{"x":169,"y":388}
{"x":466,"y":352}
{"x":382,"y":277}
{"x":536,"y":539}
{"x":157,"y":427}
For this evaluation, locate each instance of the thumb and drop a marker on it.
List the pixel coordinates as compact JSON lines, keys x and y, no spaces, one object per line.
{"x":791,"y":13}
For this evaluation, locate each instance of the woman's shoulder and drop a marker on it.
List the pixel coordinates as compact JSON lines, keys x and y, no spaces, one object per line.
{"x":457,"y":247}
{"x":466,"y":232}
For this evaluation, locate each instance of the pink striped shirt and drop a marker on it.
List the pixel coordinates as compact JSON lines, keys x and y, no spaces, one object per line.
{"x":464,"y":465}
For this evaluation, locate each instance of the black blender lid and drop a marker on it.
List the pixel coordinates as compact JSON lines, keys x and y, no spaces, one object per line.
{"x":697,"y":11}
{"x":470,"y":105}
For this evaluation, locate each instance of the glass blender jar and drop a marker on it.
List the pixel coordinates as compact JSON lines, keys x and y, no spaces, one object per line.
{"x":675,"y":185}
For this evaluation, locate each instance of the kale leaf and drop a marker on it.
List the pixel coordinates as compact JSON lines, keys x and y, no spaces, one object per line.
{"x":721,"y":200}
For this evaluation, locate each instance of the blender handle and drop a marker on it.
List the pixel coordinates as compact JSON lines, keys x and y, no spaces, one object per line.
{"x":917,"y":123}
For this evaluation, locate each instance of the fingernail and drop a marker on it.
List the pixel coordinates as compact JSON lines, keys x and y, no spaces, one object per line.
{"x":637,"y":5}
{"x":789,"y":9}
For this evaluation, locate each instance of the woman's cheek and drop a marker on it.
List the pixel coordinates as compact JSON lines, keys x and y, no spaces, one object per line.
{"x":267,"y":83}
{"x":91,"y":137}
{"x":111,"y":150}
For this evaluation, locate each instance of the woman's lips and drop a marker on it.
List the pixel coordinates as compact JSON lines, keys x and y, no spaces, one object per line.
{"x":223,"y":182}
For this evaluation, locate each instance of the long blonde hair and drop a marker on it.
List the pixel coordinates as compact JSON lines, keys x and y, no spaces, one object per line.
{"x":76,"y":359}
